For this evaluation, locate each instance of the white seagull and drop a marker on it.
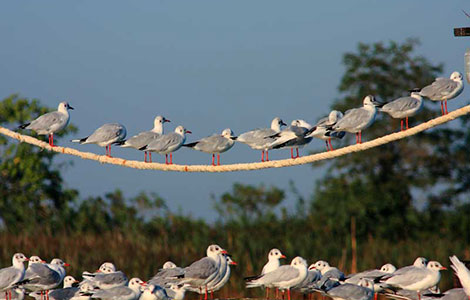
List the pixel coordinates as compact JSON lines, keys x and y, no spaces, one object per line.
{"x":294,"y":136}
{"x":285,"y":277}
{"x":403,"y":107}
{"x":357,"y":119}
{"x":10,"y":276}
{"x":320,"y":131}
{"x":462,"y":273}
{"x":417,"y":279}
{"x":131,"y":292}
{"x":144,"y":138}
{"x":217,"y":143}
{"x":168,"y":143}
{"x":443,"y":89}
{"x":261,"y":138}
{"x":105,"y":136}
{"x":51,"y":122}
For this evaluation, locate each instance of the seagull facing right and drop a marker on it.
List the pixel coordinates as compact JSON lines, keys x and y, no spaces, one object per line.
{"x":105,"y":136}
{"x":51,"y":122}
{"x":261,"y":138}
{"x":320,"y":131}
{"x":144,"y":138}
{"x":10,"y":276}
{"x":403,"y":107}
{"x":357,"y":119}
{"x":443,"y":89}
{"x":417,"y":279}
{"x":285,"y":277}
{"x":217,"y":143}
{"x":168,"y":143}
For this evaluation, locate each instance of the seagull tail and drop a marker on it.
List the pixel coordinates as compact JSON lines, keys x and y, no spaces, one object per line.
{"x":190,"y":145}
{"x":120,"y":143}
{"x":23,"y":126}
{"x":81,"y":141}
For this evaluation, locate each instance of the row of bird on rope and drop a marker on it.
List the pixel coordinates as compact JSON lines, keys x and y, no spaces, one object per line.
{"x":295,"y":136}
{"x":210,"y":273}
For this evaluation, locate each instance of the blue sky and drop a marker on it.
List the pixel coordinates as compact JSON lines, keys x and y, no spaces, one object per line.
{"x":207,"y":65}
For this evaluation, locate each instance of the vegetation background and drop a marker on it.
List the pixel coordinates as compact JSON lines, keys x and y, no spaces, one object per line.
{"x":402,"y":200}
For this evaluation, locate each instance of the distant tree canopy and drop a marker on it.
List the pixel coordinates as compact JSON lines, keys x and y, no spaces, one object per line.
{"x":385,"y":186}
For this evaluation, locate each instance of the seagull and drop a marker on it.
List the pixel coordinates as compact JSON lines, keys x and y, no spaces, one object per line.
{"x":176,"y":291}
{"x":462,"y":273}
{"x":348,"y":291}
{"x":328,"y":271}
{"x":313,"y":276}
{"x":403,"y":107}
{"x":443,"y":89}
{"x":261,"y":138}
{"x":417,"y":279}
{"x":45,"y":277}
{"x":69,"y":290}
{"x":167,"y":274}
{"x":168,"y":143}
{"x":131,"y":292}
{"x":320,"y":131}
{"x":144,"y":138}
{"x":202,"y":271}
{"x":217,"y":143}
{"x":294,"y":136}
{"x":357,"y":119}
{"x":51,"y":122}
{"x":153,"y":292}
{"x":10,"y":276}
{"x":371,"y":274}
{"x":226,"y":276}
{"x":33,"y":260}
{"x":273,"y":263}
{"x":105,"y":136}
{"x":107,"y":277}
{"x":285,"y":277}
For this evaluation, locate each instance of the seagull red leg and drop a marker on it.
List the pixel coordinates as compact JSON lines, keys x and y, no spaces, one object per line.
{"x":145,"y":156}
{"x":213,"y":159}
{"x":407,"y":127}
{"x":218,"y":159}
{"x":401,"y":124}
{"x":297,"y":150}
{"x":171,"y":162}
{"x":445,"y":104}
{"x":442,"y":108}
{"x":267,"y":155}
{"x":292,"y":153}
{"x":331,"y":146}
{"x":150,"y":156}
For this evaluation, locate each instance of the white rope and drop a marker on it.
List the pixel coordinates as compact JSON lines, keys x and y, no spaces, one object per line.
{"x":242,"y":166}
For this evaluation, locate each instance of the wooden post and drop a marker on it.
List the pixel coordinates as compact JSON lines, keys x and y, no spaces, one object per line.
{"x":353,"y":246}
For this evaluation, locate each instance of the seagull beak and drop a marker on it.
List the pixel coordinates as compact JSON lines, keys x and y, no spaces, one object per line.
{"x":98,"y":271}
{"x":26,"y":259}
{"x":66,"y":265}
{"x":224,"y":252}
{"x":443,"y":268}
{"x":283,"y":256}
{"x":187,"y":131}
{"x":43,"y":261}
{"x":233,"y":263}
{"x":166,"y":120}
{"x":283,"y":124}
{"x":70,"y":107}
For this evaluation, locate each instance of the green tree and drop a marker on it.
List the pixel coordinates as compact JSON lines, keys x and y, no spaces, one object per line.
{"x":32,"y":190}
{"x":382,"y":186}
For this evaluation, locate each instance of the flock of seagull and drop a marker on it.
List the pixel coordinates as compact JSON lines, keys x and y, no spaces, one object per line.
{"x":295,"y":136}
{"x":205,"y":276}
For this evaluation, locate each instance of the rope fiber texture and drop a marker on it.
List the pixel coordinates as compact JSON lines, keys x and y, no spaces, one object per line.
{"x":242,"y":166}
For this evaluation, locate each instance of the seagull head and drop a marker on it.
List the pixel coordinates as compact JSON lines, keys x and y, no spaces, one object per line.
{"x":388,"y":268}
{"x":36,"y":259}
{"x":59,"y":262}
{"x":214,"y":250}
{"x":334,"y":116}
{"x":64,"y":107}
{"x":369,"y":100}
{"x":456,"y":76}
{"x":228,"y":133}
{"x":321,"y":264}
{"x":169,"y":265}
{"x":367,"y":283}
{"x":435,"y":266}
{"x":181,"y":130}
{"x":420,"y":262}
{"x":299,"y":262}
{"x":277,"y":123}
{"x":107,"y":267}
{"x":19,"y":258}
{"x":275,"y":254}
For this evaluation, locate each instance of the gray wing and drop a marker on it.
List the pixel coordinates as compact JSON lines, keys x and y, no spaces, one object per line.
{"x":334,"y":273}
{"x":120,"y":291}
{"x":401,"y":104}
{"x":46,"y":121}
{"x":163,"y":142}
{"x":417,"y":274}
{"x":116,"y":278}
{"x":256,"y":135}
{"x":322,"y":122}
{"x":142,"y":139}
{"x":352,"y":119}
{"x":439,"y":88}
{"x":350,"y":292}
{"x":215,"y":143}
{"x":63,"y":294}
{"x":105,"y":133}
{"x":8,"y":276}
{"x":43,"y":275}
{"x":282,"y":273}
{"x":201,"y":269}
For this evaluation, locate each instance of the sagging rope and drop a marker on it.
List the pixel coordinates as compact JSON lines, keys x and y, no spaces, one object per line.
{"x":243,"y":166}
